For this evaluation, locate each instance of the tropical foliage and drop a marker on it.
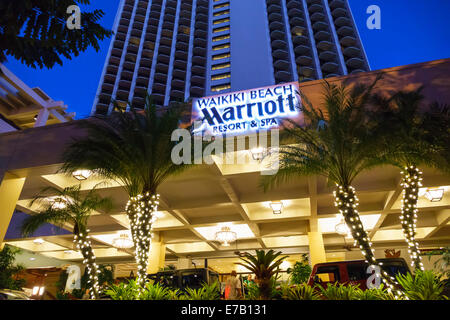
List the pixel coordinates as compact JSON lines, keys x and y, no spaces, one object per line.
{"x":132,"y":291}
{"x":337,"y":141}
{"x":133,"y":148}
{"x":301,"y":270}
{"x":70,"y":206}
{"x":9,"y":270}
{"x":35,"y":32}
{"x":303,"y":292}
{"x":412,"y":136}
{"x":424,"y":285}
{"x":264,"y":265}
{"x":206,"y":292}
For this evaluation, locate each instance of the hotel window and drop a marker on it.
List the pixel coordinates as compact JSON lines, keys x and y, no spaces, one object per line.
{"x":220,"y":6}
{"x":221,"y":66}
{"x":221,"y":21}
{"x":221,"y":87}
{"x":221,"y":29}
{"x":221,"y":13}
{"x":221,"y":56}
{"x":221,"y":76}
{"x":222,"y":46}
{"x":220,"y":38}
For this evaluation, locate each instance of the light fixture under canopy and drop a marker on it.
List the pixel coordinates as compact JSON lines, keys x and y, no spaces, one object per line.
{"x":225,"y":236}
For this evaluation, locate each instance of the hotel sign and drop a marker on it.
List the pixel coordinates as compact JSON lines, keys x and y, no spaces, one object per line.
{"x":246,"y":111}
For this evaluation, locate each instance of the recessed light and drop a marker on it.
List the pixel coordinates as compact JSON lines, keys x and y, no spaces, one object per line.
{"x":38,"y":241}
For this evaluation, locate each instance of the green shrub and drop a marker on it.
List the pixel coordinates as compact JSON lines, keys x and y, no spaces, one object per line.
{"x":424,"y":285}
{"x":303,"y":292}
{"x":154,"y":292}
{"x":123,"y":291}
{"x":206,"y":292}
{"x":374,"y":294}
{"x":8,"y":270}
{"x":335,"y":291}
{"x":301,"y":270}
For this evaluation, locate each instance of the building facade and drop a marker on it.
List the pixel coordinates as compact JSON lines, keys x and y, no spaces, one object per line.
{"x":177,"y":50}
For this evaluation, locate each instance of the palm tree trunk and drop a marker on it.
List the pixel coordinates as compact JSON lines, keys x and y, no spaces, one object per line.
{"x":411,"y":177}
{"x":347,"y":203}
{"x":140,"y":211}
{"x":84,"y":244}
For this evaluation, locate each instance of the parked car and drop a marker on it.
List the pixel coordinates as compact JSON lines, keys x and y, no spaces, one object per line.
{"x":180,"y":279}
{"x":353,"y":272}
{"x":6,"y":294}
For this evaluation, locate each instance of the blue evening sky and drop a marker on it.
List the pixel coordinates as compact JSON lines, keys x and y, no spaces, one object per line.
{"x":412,"y":31}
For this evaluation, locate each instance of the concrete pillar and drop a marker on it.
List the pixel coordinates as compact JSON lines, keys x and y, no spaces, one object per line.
{"x":10,"y":189}
{"x":157,"y":255}
{"x":316,"y":248}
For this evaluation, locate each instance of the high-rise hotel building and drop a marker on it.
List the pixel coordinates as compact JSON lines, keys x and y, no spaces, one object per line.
{"x":178,"y":49}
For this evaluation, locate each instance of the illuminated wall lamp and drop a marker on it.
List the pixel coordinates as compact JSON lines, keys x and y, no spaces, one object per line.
{"x":277,"y":207}
{"x":434,"y":195}
{"x":82,"y":174}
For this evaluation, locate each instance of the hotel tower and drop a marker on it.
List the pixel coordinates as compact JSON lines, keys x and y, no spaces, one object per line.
{"x":177,"y":50}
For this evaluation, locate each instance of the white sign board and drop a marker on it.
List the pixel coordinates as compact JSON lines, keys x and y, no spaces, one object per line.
{"x":247,"y":111}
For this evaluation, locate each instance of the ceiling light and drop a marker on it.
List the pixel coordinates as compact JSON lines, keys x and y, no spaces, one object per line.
{"x":123,"y":241}
{"x":342,"y":228}
{"x":158,"y":214}
{"x":258,"y":153}
{"x":32,"y":259}
{"x":225,"y":236}
{"x":38,"y":241}
{"x":435,"y":195}
{"x":277,"y":207}
{"x":82,"y":174}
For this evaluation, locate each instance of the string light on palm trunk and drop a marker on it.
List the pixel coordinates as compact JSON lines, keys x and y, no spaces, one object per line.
{"x":141,"y":211}
{"x":85,"y":246}
{"x":347,"y":202}
{"x":411,"y":182}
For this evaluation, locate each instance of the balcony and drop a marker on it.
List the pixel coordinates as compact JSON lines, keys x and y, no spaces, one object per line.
{"x":304,"y":61}
{"x":282,"y":65}
{"x":298,"y":40}
{"x":302,"y":49}
{"x":355,"y":63}
{"x":330,"y":67}
{"x":325,"y":45}
{"x":348,"y":41}
{"x":327,"y":56}
{"x":280,"y":54}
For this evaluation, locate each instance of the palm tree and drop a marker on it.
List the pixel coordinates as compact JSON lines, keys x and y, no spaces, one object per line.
{"x":337,"y":142}
{"x":414,"y":136}
{"x":134,"y":149}
{"x":70,"y":206}
{"x":264,"y":265}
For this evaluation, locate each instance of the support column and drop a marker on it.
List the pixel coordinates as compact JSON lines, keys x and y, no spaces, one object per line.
{"x":10,"y":189}
{"x":157,"y":255}
{"x":316,"y":248}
